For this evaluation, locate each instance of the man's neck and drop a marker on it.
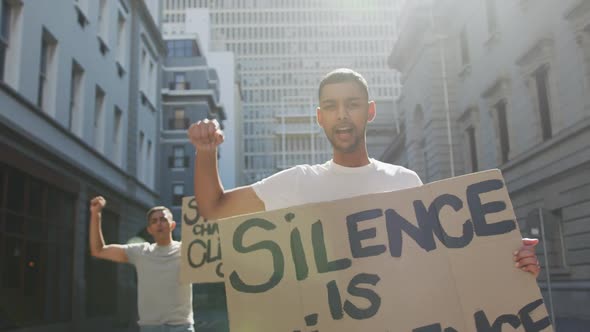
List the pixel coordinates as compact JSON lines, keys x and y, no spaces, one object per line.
{"x":355,"y":159}
{"x":164,"y":242}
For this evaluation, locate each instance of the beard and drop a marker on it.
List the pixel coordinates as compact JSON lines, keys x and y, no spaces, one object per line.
{"x":345,"y":147}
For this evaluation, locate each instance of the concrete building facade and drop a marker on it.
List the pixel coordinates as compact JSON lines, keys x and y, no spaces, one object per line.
{"x":79,"y":116}
{"x":282,"y":49}
{"x":513,"y":78}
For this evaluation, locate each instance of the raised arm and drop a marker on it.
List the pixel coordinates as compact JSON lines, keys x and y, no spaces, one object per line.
{"x":98,"y":249}
{"x":213,"y":201}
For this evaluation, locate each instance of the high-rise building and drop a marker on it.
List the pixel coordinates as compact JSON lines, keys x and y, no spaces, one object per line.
{"x":190,"y":92}
{"x":282,"y":49}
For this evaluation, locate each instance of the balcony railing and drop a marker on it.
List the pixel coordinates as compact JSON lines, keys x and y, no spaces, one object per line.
{"x":179,"y":85}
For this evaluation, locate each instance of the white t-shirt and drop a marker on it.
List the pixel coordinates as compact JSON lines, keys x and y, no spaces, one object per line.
{"x":161,"y":298}
{"x":329,"y":181}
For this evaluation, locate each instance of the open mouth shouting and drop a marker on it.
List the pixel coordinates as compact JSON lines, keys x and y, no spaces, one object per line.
{"x":344,"y":132}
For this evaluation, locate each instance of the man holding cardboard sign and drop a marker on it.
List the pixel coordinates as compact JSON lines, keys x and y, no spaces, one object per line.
{"x":434,"y":258}
{"x":343,"y":113}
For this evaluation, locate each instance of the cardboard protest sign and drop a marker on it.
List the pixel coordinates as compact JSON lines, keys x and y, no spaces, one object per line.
{"x":433,"y":258}
{"x":201,"y":248}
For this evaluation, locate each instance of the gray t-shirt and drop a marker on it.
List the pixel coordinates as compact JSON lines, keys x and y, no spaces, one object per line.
{"x":161,"y":298}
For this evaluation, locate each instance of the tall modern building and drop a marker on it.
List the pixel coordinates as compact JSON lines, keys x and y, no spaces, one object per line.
{"x":519,"y":102}
{"x":79,"y":112}
{"x":197,"y":26}
{"x":283,"y":49}
{"x":190,"y":92}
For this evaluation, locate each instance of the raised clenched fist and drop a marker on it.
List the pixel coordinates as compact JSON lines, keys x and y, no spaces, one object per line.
{"x":97,"y":203}
{"x":205,"y":135}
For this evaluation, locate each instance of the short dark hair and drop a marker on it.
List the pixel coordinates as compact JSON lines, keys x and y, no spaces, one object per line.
{"x":342,"y":75}
{"x":156,"y":209}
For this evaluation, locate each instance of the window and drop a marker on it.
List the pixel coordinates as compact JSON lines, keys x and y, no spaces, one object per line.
{"x":541,"y":80}
{"x":179,"y":121}
{"x":140,"y":160}
{"x":76,"y":100}
{"x":503,"y":131}
{"x":117,"y":129}
{"x":4,"y":34}
{"x":103,"y":20}
{"x":469,"y":126}
{"x":177,"y":194}
{"x":36,"y":251}
{"x":151,"y":80}
{"x":148,"y":164}
{"x":423,"y":148}
{"x":147,"y":84}
{"x":537,"y":66}
{"x":553,"y":227}
{"x":47,"y":73}
{"x":121,"y":40}
{"x":178,"y":158}
{"x":182,"y":48}
{"x":143,"y":72}
{"x":471,"y":142}
{"x":492,"y":16}
{"x":10,"y":41}
{"x":547,"y":225}
{"x":98,"y":119}
{"x":497,"y":97}
{"x":82,"y":11}
{"x":180,"y":82}
{"x":464,"y":47}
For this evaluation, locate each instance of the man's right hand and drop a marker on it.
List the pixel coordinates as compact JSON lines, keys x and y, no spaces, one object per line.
{"x":98,"y":249}
{"x":96,"y":204}
{"x":205,"y":135}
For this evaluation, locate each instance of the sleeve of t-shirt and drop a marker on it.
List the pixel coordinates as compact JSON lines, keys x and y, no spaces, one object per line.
{"x":417,"y":179}
{"x":276,"y":190}
{"x":134,"y":251}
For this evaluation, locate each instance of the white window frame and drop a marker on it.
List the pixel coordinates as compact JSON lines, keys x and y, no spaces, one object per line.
{"x":99,"y":115}
{"x":103,"y":22}
{"x":117,"y":135}
{"x":12,"y":43}
{"x":76,"y":119}
{"x":470,"y":119}
{"x":47,"y":87}
{"x":149,"y":164}
{"x":140,"y":156}
{"x":122,"y":39}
